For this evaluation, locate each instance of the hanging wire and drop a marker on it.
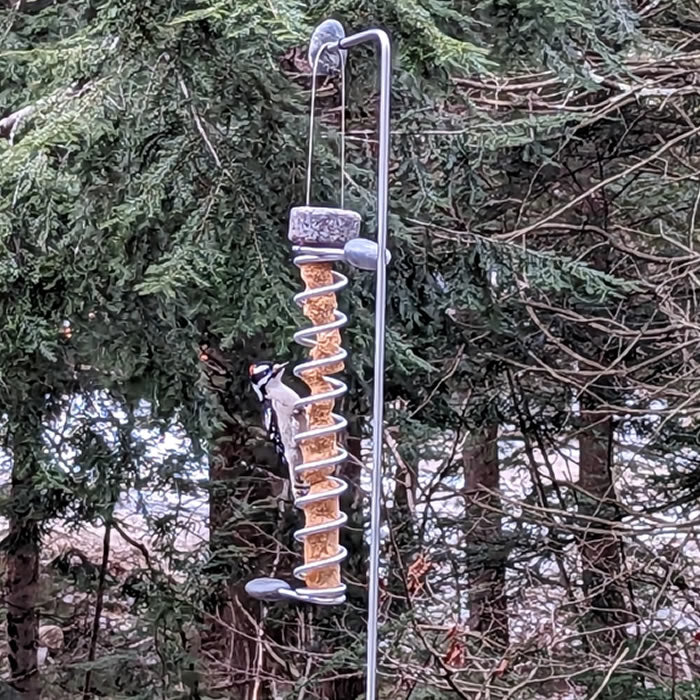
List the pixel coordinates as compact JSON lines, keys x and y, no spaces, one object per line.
{"x":312,"y":120}
{"x":342,"y":130}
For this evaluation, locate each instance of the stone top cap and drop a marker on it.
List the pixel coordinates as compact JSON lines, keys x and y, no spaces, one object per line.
{"x":326,"y":226}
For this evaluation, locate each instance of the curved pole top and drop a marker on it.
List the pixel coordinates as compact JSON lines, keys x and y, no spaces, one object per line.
{"x":378,"y":35}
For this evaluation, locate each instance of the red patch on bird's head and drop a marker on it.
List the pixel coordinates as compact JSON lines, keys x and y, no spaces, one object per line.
{"x":251,"y":370}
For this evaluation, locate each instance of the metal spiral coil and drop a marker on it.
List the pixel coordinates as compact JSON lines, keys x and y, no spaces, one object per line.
{"x":307,"y":338}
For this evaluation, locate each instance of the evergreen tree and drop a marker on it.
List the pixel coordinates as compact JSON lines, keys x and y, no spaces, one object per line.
{"x":542,"y":284}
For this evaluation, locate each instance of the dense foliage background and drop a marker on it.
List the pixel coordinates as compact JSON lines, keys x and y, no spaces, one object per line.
{"x":543,"y":388}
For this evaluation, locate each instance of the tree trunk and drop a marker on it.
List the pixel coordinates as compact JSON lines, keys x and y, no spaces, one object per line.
{"x":243,"y":532}
{"x":23,"y":564}
{"x":243,"y":545}
{"x":600,"y":549}
{"x":488,"y":610}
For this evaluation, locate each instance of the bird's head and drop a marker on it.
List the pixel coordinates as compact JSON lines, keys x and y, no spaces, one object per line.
{"x":262,"y":373}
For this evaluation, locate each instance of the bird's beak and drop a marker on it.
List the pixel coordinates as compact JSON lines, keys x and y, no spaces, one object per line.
{"x":278,"y":370}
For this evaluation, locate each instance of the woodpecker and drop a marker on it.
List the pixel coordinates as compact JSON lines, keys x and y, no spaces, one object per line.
{"x":281,"y":416}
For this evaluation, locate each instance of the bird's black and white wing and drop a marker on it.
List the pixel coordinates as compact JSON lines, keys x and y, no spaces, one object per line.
{"x":274,"y":433}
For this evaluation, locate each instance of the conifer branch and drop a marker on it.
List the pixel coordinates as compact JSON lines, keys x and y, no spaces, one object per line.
{"x":10,"y":124}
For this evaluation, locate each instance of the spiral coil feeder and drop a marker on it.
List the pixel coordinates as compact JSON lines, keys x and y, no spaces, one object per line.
{"x":307,"y":337}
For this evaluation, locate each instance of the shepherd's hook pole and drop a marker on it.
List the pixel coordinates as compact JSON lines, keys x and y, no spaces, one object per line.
{"x":324,"y":235}
{"x":381,"y":39}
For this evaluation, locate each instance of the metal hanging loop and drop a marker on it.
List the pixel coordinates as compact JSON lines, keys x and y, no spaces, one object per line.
{"x":326,"y":58}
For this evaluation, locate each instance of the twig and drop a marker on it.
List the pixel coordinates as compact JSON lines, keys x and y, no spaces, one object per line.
{"x":198,"y":122}
{"x":10,"y":124}
{"x":391,"y":443}
{"x":443,"y":379}
{"x":611,"y":670}
{"x":600,"y":185}
{"x":98,"y":607}
{"x":115,"y":524}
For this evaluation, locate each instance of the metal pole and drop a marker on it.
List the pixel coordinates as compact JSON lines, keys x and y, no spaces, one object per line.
{"x":381,"y":38}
